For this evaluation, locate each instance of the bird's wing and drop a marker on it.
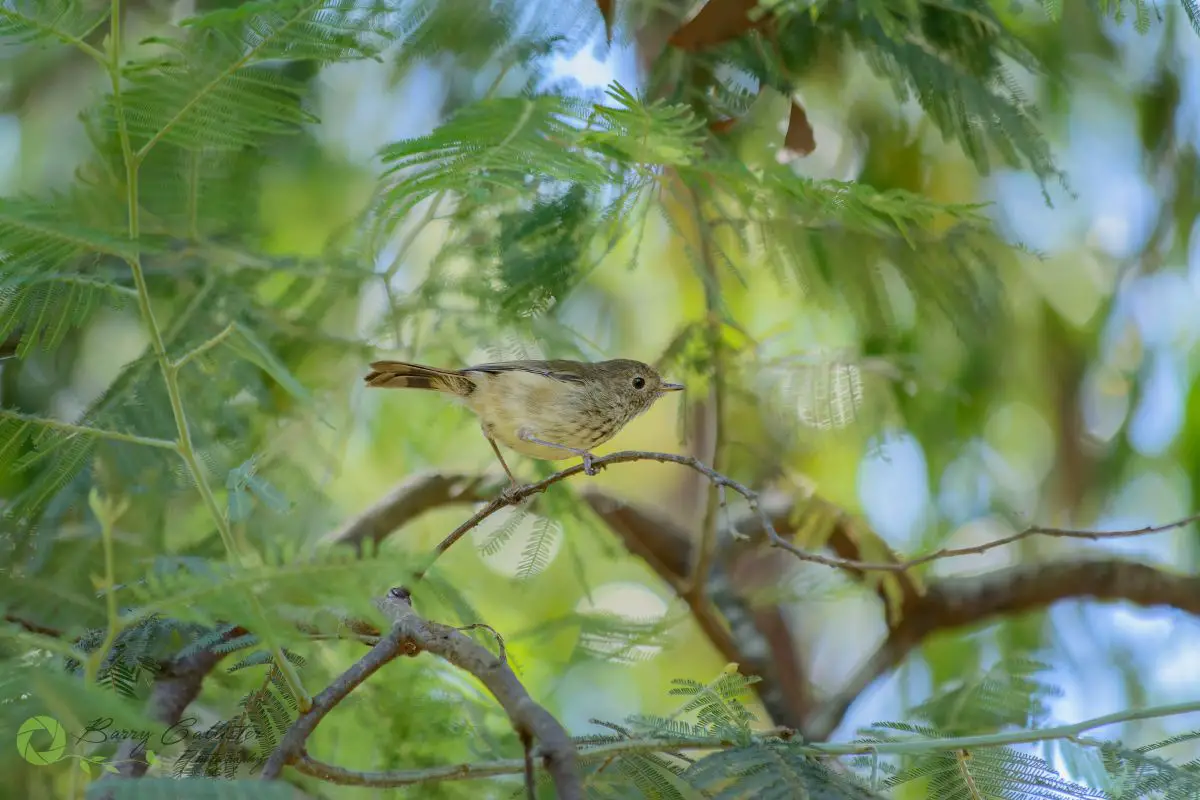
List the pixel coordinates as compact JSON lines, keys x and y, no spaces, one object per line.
{"x":558,"y":369}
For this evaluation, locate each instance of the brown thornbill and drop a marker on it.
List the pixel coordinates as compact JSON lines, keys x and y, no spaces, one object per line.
{"x":543,"y":409}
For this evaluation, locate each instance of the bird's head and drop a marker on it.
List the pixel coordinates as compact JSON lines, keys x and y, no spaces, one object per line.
{"x":629,"y":384}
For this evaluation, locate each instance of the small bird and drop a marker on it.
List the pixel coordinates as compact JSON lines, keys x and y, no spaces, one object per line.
{"x":550,"y":410}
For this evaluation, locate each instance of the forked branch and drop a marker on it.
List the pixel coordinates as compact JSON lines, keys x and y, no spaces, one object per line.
{"x":410,"y":635}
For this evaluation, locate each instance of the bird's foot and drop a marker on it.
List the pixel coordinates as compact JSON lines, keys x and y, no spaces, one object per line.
{"x":511,"y":494}
{"x":588,"y":467}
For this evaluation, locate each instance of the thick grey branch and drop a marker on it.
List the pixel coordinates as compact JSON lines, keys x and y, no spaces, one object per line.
{"x":291,"y":746}
{"x":410,"y":635}
{"x":957,"y":602}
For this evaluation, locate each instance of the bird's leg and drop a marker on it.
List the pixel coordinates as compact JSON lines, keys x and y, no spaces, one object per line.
{"x":510,"y":491}
{"x":584,"y":454}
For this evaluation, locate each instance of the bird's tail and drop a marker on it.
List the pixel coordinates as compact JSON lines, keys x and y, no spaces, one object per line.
{"x":401,"y":375}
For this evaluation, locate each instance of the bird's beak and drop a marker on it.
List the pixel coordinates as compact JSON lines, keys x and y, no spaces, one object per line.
{"x":672,"y":387}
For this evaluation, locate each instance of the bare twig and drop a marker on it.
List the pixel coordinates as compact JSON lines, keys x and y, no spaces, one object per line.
{"x":410,"y":635}
{"x":520,"y":493}
{"x":955,"y":552}
{"x":779,"y":512}
{"x":33,"y":627}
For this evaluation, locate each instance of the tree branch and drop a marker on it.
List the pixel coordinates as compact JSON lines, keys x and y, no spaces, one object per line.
{"x":605,"y":752}
{"x":697,"y":576}
{"x":84,"y":430}
{"x":174,"y":690}
{"x":411,"y":498}
{"x":410,"y":635}
{"x":779,"y":514}
{"x":958,"y":602}
{"x":520,"y":493}
{"x":426,"y":491}
{"x":757,"y":639}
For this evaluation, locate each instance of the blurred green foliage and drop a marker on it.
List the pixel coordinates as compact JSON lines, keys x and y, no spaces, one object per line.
{"x":212,"y":223}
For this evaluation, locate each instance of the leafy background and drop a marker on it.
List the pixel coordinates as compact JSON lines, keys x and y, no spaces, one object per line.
{"x":318,"y":183}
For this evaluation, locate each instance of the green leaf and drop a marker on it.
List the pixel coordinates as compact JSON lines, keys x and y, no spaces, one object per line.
{"x":27,"y":21}
{"x":246,"y":344}
{"x":221,"y":87}
{"x":658,"y":134}
{"x":489,"y":145}
{"x":243,"y":478}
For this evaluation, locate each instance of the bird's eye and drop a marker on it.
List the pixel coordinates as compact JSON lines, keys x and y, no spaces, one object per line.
{"x":639,"y":382}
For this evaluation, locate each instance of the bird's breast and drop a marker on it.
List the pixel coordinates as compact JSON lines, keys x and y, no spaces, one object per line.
{"x":555,"y":411}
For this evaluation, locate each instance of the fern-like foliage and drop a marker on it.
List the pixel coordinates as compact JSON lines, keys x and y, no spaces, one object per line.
{"x":45,"y":291}
{"x":491,"y":145}
{"x":1139,"y":772}
{"x":28,"y":21}
{"x":947,"y":55}
{"x":719,"y":706}
{"x":247,"y":740}
{"x":773,"y":770}
{"x":751,"y":764}
{"x":220,"y":87}
{"x":1008,"y":695}
{"x":991,"y":774}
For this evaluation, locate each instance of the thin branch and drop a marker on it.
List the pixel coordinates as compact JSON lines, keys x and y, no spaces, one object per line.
{"x":84,"y":430}
{"x":204,"y":347}
{"x":520,"y":493}
{"x":1036,"y":530}
{"x":715,"y":502}
{"x":764,"y":519}
{"x":33,"y":627}
{"x":961,"y":601}
{"x":390,"y":647}
{"x":604,"y":752}
{"x":753,"y":526}
{"x":410,"y":635}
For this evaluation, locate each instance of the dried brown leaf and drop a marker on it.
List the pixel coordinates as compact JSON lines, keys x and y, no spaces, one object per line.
{"x":719,"y":21}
